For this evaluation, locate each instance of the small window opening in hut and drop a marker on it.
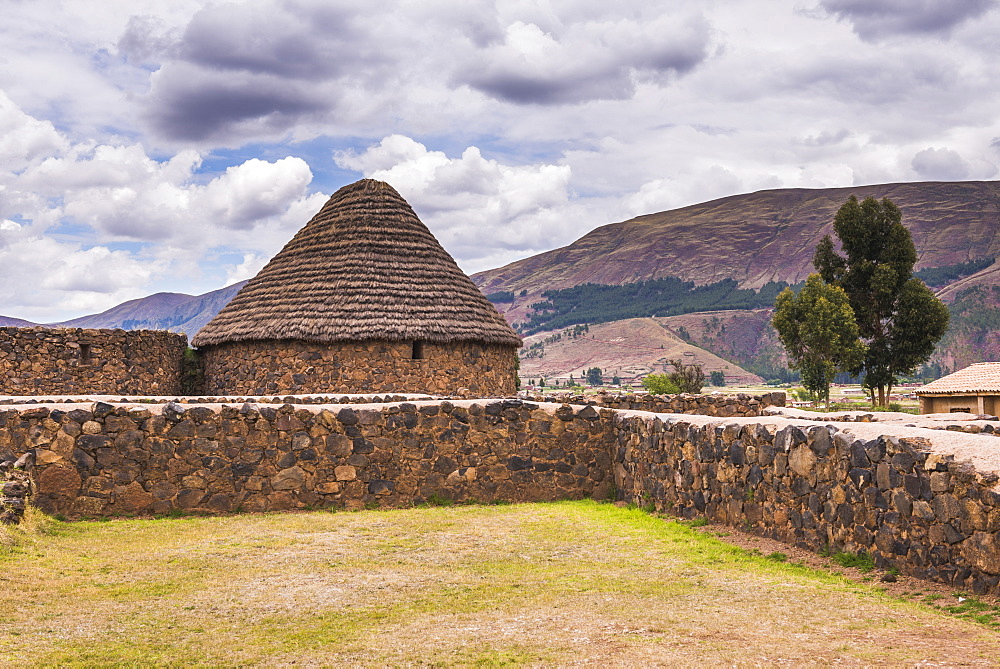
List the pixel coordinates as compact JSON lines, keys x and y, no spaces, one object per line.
{"x":959,"y":410}
{"x":84,"y":353}
{"x":418,"y":350}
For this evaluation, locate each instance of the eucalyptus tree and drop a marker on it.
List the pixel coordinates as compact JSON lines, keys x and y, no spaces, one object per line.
{"x":819,"y":332}
{"x":898,"y":317}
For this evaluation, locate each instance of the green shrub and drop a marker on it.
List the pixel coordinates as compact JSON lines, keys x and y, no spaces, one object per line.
{"x":660,"y":384}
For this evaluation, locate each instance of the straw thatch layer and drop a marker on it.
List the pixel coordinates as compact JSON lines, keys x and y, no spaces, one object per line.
{"x":363,"y":268}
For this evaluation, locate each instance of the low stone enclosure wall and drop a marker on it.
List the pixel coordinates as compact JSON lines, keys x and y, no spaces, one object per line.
{"x":923,"y":501}
{"x":739,"y":404}
{"x":36,"y":361}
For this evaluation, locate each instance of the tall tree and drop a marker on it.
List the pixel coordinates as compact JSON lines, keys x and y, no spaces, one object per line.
{"x":899,"y":318}
{"x":818,"y":330}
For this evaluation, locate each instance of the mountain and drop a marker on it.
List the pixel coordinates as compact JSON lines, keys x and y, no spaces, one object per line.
{"x":754,"y":239}
{"x":6,"y":321}
{"x":176,"y":312}
{"x":628,"y":349}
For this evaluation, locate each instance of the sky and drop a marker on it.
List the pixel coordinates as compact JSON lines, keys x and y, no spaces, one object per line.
{"x":175,"y":145}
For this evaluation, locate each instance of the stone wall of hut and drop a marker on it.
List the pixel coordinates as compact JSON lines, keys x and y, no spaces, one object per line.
{"x":68,"y":361}
{"x":297,"y":367}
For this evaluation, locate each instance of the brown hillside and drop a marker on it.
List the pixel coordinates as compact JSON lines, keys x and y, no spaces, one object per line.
{"x":990,"y":276}
{"x":753,"y":238}
{"x":629,"y":348}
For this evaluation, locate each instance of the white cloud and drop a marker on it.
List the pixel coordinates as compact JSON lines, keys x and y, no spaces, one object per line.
{"x":24,"y":139}
{"x":940,"y":164}
{"x":75,"y":201}
{"x":588,"y":60}
{"x":251,"y":264}
{"x":252,"y":191}
{"x":184,"y":136}
{"x":479,"y":208}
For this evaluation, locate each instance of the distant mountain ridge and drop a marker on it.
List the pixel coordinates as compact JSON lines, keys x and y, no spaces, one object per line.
{"x":175,"y":312}
{"x":753,"y":239}
{"x":6,"y":321}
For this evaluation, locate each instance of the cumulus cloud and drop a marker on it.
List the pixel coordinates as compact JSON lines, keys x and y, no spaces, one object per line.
{"x":589,"y":60}
{"x":42,"y":278}
{"x":661,"y":194}
{"x":480,"y":208}
{"x":195,"y":104}
{"x":940,"y":165}
{"x":23,"y":138}
{"x":252,"y":191}
{"x":264,"y":68}
{"x":310,"y":41}
{"x":96,"y":224}
{"x":133,"y":128}
{"x":876,"y":19}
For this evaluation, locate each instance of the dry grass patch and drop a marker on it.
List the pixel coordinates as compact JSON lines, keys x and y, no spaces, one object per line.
{"x":564,"y":583}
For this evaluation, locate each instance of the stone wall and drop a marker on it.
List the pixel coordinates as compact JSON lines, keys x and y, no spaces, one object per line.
{"x":39,"y":361}
{"x":291,"y":367}
{"x":897,"y":498}
{"x":895,"y":492}
{"x":103,"y":459}
{"x":725,"y":405}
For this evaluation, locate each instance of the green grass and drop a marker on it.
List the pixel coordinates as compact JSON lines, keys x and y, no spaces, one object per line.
{"x":483,"y":585}
{"x":861,"y":561}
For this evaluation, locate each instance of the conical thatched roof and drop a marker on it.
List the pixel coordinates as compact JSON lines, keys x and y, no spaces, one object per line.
{"x":364,"y":267}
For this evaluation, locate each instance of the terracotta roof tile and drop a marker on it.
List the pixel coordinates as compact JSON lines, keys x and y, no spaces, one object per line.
{"x":981,"y":377}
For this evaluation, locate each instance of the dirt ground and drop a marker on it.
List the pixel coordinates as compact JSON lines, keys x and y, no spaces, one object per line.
{"x":561,"y":584}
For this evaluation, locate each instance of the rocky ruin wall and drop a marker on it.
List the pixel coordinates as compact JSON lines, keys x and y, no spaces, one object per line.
{"x":67,"y":361}
{"x":112,"y":460}
{"x":898,"y":498}
{"x":296,"y":367}
{"x":822,"y":488}
{"x":723,"y":405}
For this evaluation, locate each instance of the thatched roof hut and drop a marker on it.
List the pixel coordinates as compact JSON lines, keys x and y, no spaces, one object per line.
{"x":364,"y":268}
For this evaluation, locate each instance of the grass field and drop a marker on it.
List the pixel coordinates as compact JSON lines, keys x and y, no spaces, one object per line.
{"x":539,"y":584}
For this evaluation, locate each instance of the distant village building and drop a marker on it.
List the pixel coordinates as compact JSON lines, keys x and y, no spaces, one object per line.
{"x":362,"y":299}
{"x":975,"y":389}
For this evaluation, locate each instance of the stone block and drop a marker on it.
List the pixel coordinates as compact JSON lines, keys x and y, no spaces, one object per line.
{"x":940,"y":481}
{"x":291,"y":478}
{"x":802,"y":460}
{"x":132,"y":498}
{"x":345,"y":473}
{"x":60,"y":481}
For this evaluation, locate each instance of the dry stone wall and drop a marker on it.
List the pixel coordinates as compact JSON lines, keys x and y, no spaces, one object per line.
{"x":726,"y":405}
{"x":293,"y":367}
{"x":816,"y":486}
{"x":108,"y":460}
{"x":896,"y":495}
{"x":40,"y":361}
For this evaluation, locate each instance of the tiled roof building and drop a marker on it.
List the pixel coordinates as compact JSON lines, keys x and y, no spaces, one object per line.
{"x":975,"y":389}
